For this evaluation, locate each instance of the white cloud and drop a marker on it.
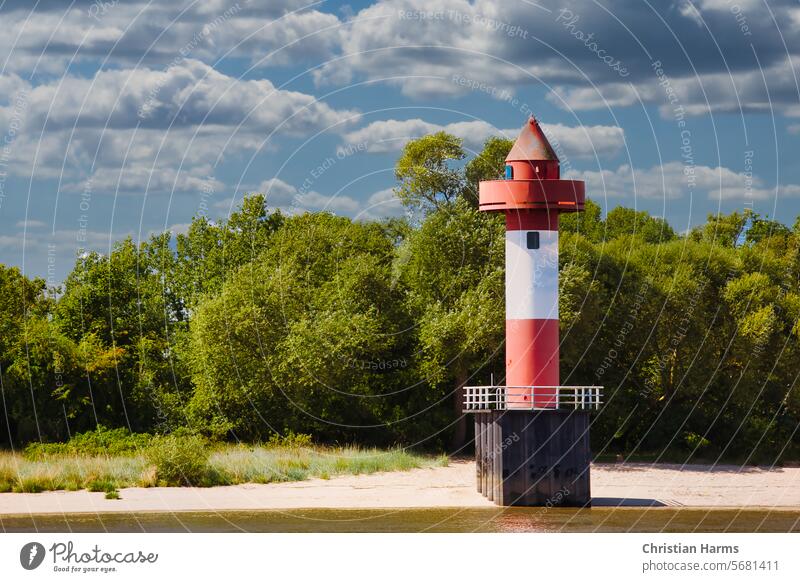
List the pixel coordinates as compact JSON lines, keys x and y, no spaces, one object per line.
{"x":771,"y":89}
{"x":690,"y":11}
{"x":178,"y":228}
{"x":674,"y":180}
{"x":51,"y":255}
{"x":446,"y":48}
{"x":10,"y":85}
{"x":289,"y":199}
{"x":140,"y":179}
{"x":585,"y":141}
{"x":189,"y":93}
{"x":30,"y":224}
{"x":162,"y":128}
{"x":65,"y":241}
{"x":390,"y":135}
{"x":292,"y":200}
{"x":611,"y":95}
{"x":284,"y":30}
{"x":385,"y":203}
{"x":420,"y":44}
{"x":728,"y":6}
{"x":580,"y":142}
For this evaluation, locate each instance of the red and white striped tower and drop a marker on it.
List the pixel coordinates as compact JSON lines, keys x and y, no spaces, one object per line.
{"x":532,"y":196}
{"x":532,"y":435}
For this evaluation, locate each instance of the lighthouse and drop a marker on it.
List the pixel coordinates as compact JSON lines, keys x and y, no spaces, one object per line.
{"x":532,"y":434}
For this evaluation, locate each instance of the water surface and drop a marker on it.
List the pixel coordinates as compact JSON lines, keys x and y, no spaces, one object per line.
{"x":598,"y":519}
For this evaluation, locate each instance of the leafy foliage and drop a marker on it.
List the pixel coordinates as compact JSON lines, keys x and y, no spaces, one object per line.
{"x":287,"y":341}
{"x":427,"y":180}
{"x":179,"y":459}
{"x":101,"y":441}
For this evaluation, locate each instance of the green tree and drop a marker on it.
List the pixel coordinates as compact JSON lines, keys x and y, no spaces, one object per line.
{"x":452,"y":266}
{"x":762,"y":228}
{"x":626,"y":221}
{"x":209,"y":252}
{"x":43,"y":372}
{"x":21,"y":299}
{"x":308,"y":337}
{"x":126,"y":302}
{"x":588,"y":223}
{"x":721,"y":229}
{"x":427,"y":179}
{"x":453,"y":269}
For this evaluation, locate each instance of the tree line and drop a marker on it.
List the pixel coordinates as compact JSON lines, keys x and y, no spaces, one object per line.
{"x":364,"y":331}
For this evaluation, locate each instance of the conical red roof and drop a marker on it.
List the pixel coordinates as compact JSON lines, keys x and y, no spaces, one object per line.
{"x":531,"y":145}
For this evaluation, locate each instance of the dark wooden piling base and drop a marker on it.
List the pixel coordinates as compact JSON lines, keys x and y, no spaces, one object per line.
{"x":533,"y":458}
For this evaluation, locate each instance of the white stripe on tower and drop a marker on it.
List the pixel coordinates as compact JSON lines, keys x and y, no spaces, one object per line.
{"x":531,"y":275}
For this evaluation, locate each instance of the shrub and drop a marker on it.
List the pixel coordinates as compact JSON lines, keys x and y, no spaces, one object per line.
{"x":101,"y":441}
{"x":179,"y":459}
{"x":695,"y":441}
{"x":290,"y":440}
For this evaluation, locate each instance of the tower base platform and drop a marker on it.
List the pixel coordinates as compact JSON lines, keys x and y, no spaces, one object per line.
{"x":532,"y":443}
{"x":534,"y":458}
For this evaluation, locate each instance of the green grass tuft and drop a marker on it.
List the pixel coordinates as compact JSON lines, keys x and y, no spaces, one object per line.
{"x":184,"y":459}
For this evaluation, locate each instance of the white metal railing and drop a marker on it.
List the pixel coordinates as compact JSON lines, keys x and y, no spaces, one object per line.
{"x":478,"y":398}
{"x":484,"y":398}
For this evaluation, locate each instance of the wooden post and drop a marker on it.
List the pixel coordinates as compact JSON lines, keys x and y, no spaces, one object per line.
{"x":478,"y":453}
{"x":497,"y":458}
{"x":488,"y":488}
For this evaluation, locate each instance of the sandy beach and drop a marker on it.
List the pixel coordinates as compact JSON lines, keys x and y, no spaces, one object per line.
{"x":620,"y":485}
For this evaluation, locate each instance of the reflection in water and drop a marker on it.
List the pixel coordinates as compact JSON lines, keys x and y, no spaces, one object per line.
{"x":599,"y":519}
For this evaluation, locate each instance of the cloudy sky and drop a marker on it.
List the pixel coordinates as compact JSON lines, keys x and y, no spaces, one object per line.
{"x":123,"y":118}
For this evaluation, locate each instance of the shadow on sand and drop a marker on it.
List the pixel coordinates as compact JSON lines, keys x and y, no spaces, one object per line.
{"x":626,"y":502}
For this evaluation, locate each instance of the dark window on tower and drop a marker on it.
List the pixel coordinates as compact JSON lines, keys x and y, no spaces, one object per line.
{"x":533,"y":240}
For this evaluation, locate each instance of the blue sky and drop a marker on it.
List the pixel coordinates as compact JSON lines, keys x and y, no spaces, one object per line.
{"x":127,"y":118}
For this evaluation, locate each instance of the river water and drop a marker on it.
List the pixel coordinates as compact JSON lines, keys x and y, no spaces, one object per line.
{"x":609,"y":519}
